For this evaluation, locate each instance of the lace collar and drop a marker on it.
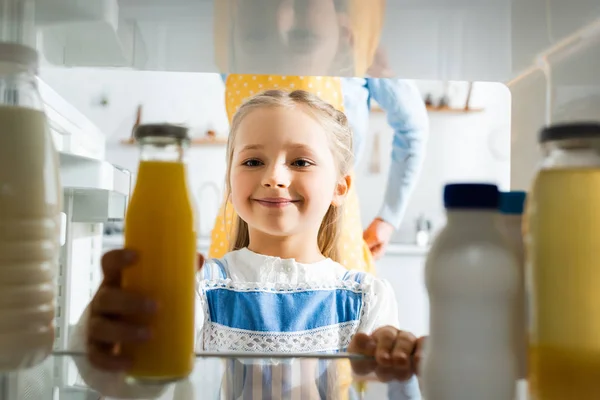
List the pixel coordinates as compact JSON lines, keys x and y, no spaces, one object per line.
{"x":255,"y":260}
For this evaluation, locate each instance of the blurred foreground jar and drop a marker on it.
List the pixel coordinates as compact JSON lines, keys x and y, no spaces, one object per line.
{"x":563,"y":265}
{"x":30,"y":205}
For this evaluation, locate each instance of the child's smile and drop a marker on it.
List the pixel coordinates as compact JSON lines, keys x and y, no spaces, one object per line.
{"x":275,"y":202}
{"x":283,"y":175}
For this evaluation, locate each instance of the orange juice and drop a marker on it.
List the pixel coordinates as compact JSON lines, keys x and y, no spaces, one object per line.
{"x":564,"y":254}
{"x":160,"y":226}
{"x":564,"y":373}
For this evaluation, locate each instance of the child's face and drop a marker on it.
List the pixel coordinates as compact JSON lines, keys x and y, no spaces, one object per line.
{"x":283,"y":174}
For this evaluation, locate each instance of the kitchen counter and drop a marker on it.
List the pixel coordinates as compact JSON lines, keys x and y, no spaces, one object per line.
{"x":116,"y":241}
{"x":406,"y":249}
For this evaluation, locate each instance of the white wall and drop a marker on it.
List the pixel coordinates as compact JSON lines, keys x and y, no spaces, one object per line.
{"x":193,"y":99}
{"x":474,"y":146}
{"x":461,"y":147}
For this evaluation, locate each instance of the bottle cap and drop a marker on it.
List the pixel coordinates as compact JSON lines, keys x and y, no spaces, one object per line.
{"x":566,"y":131}
{"x":161,"y":130}
{"x":471,"y":196}
{"x":512,"y":202}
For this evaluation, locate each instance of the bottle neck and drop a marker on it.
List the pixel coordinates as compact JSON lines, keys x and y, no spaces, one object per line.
{"x":471,"y":217}
{"x":574,"y":153}
{"x":163,"y":149}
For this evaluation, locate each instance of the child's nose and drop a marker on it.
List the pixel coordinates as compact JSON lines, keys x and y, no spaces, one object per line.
{"x":276,"y":177}
{"x":273,"y":182}
{"x":279,"y":185}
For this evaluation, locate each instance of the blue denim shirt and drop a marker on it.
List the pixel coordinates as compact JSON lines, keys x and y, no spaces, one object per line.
{"x":407,"y":116}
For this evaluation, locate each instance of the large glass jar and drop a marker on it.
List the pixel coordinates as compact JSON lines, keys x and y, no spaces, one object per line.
{"x":30,"y":201}
{"x":563,"y":265}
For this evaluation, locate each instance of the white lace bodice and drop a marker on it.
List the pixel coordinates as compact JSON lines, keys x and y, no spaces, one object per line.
{"x":328,"y":303}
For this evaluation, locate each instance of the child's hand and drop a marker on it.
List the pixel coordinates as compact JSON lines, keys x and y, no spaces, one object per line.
{"x":200,"y":261}
{"x":419,"y":353}
{"x":108,"y":308}
{"x":392,"y":350}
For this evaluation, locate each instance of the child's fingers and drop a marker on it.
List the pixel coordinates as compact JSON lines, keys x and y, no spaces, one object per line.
{"x":362,"y":344}
{"x":419,"y":353}
{"x":403,"y":348}
{"x":386,"y":374}
{"x":102,"y":330}
{"x":113,"y":263}
{"x":102,"y":357}
{"x":114,"y":301}
{"x":385,"y":337}
{"x":365,"y":345}
{"x":201,"y":259}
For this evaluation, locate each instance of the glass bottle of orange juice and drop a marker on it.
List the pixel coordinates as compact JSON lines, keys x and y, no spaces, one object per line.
{"x":160,"y":226}
{"x":563,"y":266}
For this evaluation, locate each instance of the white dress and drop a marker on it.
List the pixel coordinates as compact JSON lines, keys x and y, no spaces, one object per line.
{"x":254,"y":303}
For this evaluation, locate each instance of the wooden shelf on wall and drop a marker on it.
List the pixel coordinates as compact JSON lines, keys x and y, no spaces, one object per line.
{"x":432,"y":109}
{"x":203,"y":141}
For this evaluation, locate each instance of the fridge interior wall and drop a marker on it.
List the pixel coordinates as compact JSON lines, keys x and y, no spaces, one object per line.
{"x":564,"y":86}
{"x":79,"y":277}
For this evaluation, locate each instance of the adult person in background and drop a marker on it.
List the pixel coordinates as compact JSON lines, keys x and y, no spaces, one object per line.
{"x":326,"y":37}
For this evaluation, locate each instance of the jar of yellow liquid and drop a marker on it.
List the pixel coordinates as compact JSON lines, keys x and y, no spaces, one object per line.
{"x":563,"y":265}
{"x":160,"y":226}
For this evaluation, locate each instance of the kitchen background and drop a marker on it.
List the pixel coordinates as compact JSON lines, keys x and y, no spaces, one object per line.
{"x":469,"y":145}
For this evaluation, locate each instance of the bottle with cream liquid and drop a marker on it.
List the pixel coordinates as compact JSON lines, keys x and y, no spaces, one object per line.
{"x":511,"y":209}
{"x":472,"y":279}
{"x":30,"y":205}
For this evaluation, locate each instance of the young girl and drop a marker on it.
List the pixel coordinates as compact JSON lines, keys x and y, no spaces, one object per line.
{"x":280,"y":288}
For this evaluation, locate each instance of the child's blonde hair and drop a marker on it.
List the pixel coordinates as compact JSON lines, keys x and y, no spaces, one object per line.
{"x":339,"y":133}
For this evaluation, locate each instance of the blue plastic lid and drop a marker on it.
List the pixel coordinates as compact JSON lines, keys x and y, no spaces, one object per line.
{"x":471,"y":196}
{"x":512,"y":202}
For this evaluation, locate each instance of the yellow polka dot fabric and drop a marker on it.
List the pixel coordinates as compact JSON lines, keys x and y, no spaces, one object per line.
{"x":239,"y":87}
{"x":355,"y":253}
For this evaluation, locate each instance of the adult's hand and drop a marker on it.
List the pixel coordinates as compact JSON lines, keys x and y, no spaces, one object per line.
{"x":377,"y":236}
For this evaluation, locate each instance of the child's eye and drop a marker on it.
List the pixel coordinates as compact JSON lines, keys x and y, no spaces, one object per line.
{"x":252,"y":163}
{"x":302,"y":163}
